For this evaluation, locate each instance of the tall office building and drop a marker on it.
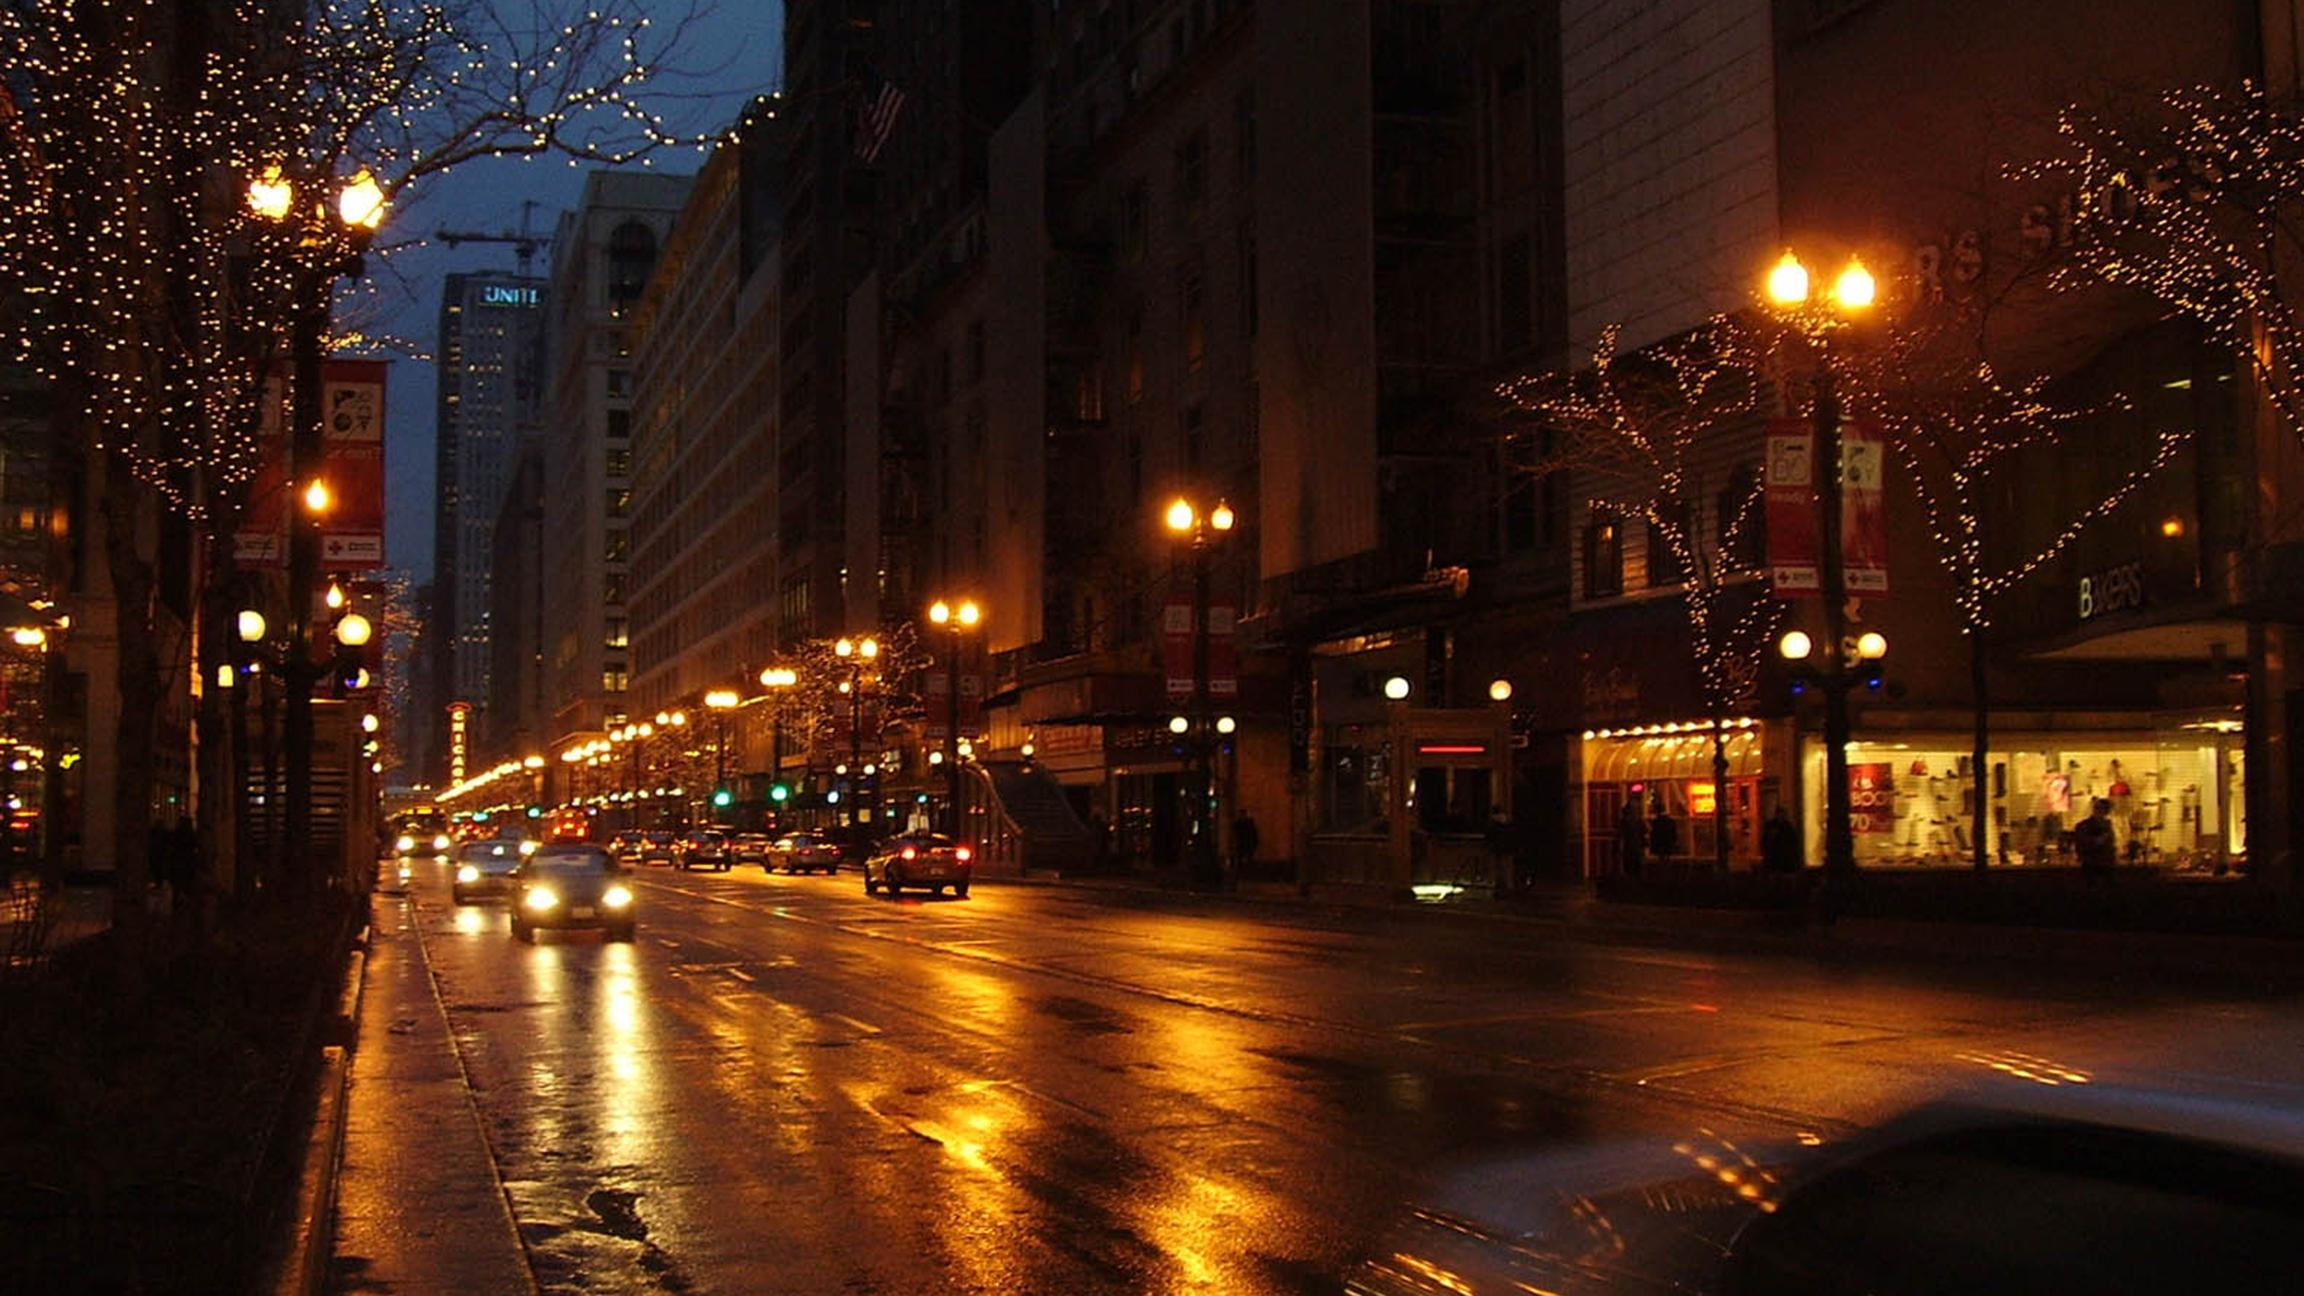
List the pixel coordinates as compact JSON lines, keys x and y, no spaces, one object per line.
{"x":491,"y":369}
{"x":602,"y":257}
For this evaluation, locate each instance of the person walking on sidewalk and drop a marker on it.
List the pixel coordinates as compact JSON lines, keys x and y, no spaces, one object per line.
{"x":1663,"y":832}
{"x":1631,"y":836}
{"x":2094,"y":842}
{"x":1780,"y":843}
{"x":1244,"y":843}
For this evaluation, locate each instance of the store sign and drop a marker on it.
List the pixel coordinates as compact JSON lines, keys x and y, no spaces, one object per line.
{"x":1872,"y":798}
{"x":2115,"y":589}
{"x":506,"y":295}
{"x":459,"y":729}
{"x":1703,"y":798}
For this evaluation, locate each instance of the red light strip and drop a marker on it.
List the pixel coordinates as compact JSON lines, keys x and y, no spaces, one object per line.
{"x":1452,"y":749}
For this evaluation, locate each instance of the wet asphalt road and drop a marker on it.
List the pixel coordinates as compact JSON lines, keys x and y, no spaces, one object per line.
{"x":787,"y":1086}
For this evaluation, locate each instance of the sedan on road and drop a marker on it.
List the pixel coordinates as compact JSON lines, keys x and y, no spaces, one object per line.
{"x":751,"y":847}
{"x":659,"y":848}
{"x":929,"y":860}
{"x":485,"y":868}
{"x":568,"y":887}
{"x":704,"y":850}
{"x":794,"y":852}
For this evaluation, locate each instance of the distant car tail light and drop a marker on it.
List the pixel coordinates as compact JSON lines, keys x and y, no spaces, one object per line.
{"x":467,"y":873}
{"x":910,"y":853}
{"x":963,"y":854}
{"x":540,"y":898}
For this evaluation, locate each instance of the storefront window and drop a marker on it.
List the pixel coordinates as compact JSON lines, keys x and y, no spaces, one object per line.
{"x":1358,"y":781}
{"x":2175,"y":788}
{"x":1667,"y":771}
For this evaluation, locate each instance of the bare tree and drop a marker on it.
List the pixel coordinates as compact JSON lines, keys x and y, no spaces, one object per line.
{"x":1662,"y":436}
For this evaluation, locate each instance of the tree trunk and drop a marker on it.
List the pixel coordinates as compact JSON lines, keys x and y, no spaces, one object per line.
{"x":137,"y":678}
{"x":1979,"y":777}
{"x":1719,"y":792}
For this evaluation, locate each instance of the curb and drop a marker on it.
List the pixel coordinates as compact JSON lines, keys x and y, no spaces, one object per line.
{"x":303,"y":1270}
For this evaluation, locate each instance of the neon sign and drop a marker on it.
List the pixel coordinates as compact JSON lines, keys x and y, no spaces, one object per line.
{"x":507,"y":295}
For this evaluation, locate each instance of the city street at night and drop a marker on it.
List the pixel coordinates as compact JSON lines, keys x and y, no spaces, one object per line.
{"x":785,"y":1085}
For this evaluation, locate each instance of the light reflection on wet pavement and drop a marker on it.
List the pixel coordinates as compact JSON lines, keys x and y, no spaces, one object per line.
{"x":786,"y":1086}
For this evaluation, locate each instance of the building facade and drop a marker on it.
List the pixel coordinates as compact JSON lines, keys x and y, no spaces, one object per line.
{"x":602,"y":257}
{"x":490,"y":401}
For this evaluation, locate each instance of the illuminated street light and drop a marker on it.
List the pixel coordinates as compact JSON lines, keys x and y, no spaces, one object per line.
{"x":354,"y":630}
{"x":1396,"y":688}
{"x":251,"y":626}
{"x":1500,"y":690}
{"x":1795,"y":645}
{"x":1872,"y":645}
{"x":318,"y":498}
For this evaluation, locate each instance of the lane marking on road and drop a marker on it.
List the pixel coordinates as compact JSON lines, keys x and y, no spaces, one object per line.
{"x":853,"y":1024}
{"x":742,"y":975}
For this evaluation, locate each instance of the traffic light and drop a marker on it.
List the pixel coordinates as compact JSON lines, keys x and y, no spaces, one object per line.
{"x":722,"y":798}
{"x":779,"y":793}
{"x":535,"y":812}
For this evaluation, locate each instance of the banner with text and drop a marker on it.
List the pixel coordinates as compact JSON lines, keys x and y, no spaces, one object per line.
{"x":1863,"y":507}
{"x":1793,"y":554}
{"x":1223,"y":649}
{"x":351,"y":463}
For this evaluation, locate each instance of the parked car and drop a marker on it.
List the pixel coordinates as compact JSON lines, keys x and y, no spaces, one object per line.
{"x":659,"y":848}
{"x":485,"y":868}
{"x":794,"y":852}
{"x":929,"y":860}
{"x":567,"y":886}
{"x":625,"y":846}
{"x":705,"y":849}
{"x":751,"y":847}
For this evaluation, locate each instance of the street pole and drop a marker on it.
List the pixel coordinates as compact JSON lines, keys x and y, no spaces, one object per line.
{"x":303,"y":562}
{"x":1204,"y":864}
{"x":1839,"y":832}
{"x":952,"y":733}
{"x":719,"y":760}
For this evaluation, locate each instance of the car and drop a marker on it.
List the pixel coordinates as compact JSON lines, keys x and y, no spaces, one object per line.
{"x":919,"y":859}
{"x":419,"y":835}
{"x":625,"y":846}
{"x":794,"y":852}
{"x":2076,"y":1187}
{"x":485,"y":868}
{"x":659,"y":848}
{"x":704,"y":849}
{"x":751,"y":847}
{"x":567,"y":886}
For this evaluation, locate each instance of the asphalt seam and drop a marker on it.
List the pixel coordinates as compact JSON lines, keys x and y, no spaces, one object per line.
{"x":415,"y":914}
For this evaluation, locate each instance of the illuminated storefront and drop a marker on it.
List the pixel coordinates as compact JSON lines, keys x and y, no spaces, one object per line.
{"x":1668,"y":769}
{"x":2175,"y":782}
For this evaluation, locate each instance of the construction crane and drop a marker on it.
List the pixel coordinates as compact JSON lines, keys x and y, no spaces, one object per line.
{"x":524,"y":241}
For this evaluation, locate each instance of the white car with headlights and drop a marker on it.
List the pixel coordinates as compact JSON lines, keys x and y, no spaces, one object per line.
{"x":485,"y":868}
{"x":566,"y":887}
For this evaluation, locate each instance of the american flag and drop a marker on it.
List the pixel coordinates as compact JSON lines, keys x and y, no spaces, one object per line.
{"x":876,"y":120}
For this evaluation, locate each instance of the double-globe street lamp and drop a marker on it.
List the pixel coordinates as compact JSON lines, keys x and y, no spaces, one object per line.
{"x":1200,"y":531}
{"x":332,"y":237}
{"x":779,"y":681}
{"x":957,"y":619}
{"x":290,"y":656}
{"x":858,"y":653}
{"x":1819,"y":317}
{"x":720,"y":702}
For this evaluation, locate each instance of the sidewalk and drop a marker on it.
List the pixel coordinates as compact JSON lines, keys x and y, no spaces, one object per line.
{"x":1573,"y":908}
{"x":419,"y":1207}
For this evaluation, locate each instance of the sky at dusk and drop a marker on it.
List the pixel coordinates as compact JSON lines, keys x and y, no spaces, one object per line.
{"x":729,"y":53}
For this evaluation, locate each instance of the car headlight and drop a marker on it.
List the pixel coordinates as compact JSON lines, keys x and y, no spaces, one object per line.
{"x":404,"y":844}
{"x":528,"y":848}
{"x":616,"y":897}
{"x":540,"y":898}
{"x":440,"y":843}
{"x":467,"y":873}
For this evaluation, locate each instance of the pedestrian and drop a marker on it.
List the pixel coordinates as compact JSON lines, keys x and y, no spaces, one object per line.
{"x":2094,"y":842}
{"x":1504,"y":850}
{"x":1244,"y":843}
{"x":1663,"y":831}
{"x":1780,"y":843}
{"x":1631,"y":836}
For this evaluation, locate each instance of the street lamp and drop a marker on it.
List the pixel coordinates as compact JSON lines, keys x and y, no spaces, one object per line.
{"x":330,"y":239}
{"x":1852,"y":294}
{"x":957,"y":619}
{"x":779,"y":681}
{"x":720,"y":702}
{"x":1201,"y":532}
{"x":857,"y":651}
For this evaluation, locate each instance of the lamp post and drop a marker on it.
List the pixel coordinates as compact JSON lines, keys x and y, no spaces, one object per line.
{"x":720,"y":702}
{"x":958,"y":619}
{"x":779,"y":681}
{"x":1200,"y":532}
{"x":1851,"y":295}
{"x":333,"y":237}
{"x":858,"y":652}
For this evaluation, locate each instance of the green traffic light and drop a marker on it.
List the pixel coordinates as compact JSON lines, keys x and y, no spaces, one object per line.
{"x":721,"y":797}
{"x":535,"y":812}
{"x":779,"y":792}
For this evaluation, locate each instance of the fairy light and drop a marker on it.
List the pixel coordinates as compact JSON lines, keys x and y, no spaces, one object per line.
{"x":1635,"y":434}
{"x":2190,"y":204}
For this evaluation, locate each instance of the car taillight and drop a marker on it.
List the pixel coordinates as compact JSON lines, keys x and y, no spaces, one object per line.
{"x":910,"y":853}
{"x":963,"y":854}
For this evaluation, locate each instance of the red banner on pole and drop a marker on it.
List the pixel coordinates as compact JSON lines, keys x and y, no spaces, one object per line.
{"x":1176,"y":647}
{"x":261,"y":540}
{"x":1863,"y":507}
{"x":352,"y":464}
{"x":1794,"y":558}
